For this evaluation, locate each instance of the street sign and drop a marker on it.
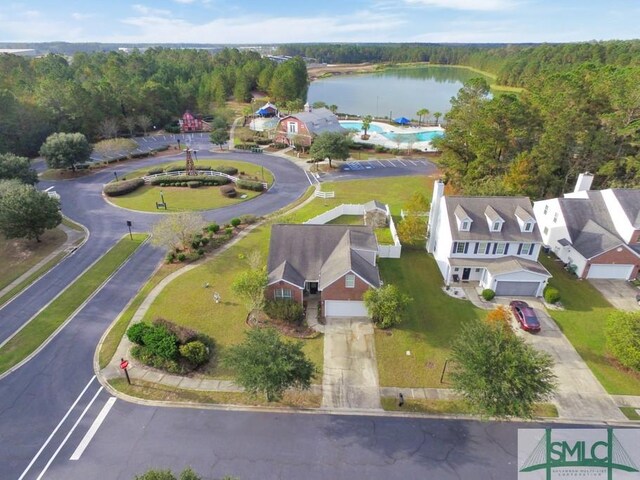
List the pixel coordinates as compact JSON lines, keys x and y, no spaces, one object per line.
{"x":124,"y":364}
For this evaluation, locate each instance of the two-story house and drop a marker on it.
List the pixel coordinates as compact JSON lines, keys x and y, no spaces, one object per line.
{"x":595,"y":232}
{"x":493,"y":241}
{"x":304,"y":126}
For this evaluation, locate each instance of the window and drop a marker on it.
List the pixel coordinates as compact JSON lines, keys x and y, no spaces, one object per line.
{"x":482,"y":247}
{"x":555,"y":217}
{"x":496,"y":226}
{"x":465,"y":225}
{"x":527,"y":249}
{"x":528,"y":226}
{"x":460,"y":247}
{"x":292,"y":127}
{"x":500,"y":249}
{"x":350,"y":281}
{"x":546,"y":209}
{"x":477,"y":270}
{"x":283,"y":293}
{"x":546,"y":230}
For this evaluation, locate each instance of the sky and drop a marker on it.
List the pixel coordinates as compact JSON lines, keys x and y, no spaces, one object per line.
{"x":287,"y":21}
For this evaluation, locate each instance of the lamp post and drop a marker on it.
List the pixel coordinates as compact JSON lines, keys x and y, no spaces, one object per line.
{"x":116,"y":175}
{"x":129,"y":225}
{"x":178,"y":144}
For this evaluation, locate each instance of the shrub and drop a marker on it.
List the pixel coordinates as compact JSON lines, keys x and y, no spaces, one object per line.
{"x":183,"y":180}
{"x":195,"y":244}
{"x":204,"y":242}
{"x":155,"y":171}
{"x":161,"y":342}
{"x":195,"y":352}
{"x":194,"y":184}
{"x":228,"y":191}
{"x":286,"y":310}
{"x":226,"y":169}
{"x":200,"y":251}
{"x":183,"y":184}
{"x":171,"y":256}
{"x":500,"y":316}
{"x":123,"y":187}
{"x":228,"y":231}
{"x":182,"y":334}
{"x":380,"y":149}
{"x":249,"y":185}
{"x":174,"y":168}
{"x":246,"y":145}
{"x":182,"y":257}
{"x":248,"y":219}
{"x":280,"y":146}
{"x":263,"y":141}
{"x":622,"y":332}
{"x":551,"y":295}
{"x":137,"y":331}
{"x":214,"y":227}
{"x":235,"y":222}
{"x":488,"y":294}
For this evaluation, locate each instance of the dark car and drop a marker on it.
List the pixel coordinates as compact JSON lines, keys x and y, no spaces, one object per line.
{"x":525,"y":316}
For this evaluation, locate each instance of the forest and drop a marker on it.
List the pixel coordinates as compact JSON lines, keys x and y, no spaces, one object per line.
{"x":90,"y":91}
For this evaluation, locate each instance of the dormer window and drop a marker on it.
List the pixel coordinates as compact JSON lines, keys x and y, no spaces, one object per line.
{"x":494,"y":220}
{"x":528,"y":227}
{"x":464,"y":226}
{"x":463,"y":219}
{"x":496,"y":227}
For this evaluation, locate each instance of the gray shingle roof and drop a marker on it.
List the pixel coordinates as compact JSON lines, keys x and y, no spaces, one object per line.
{"x":503,"y":207}
{"x":630,"y":202}
{"x":593,"y":240}
{"x":373,"y":205}
{"x":491,"y":213}
{"x":319,"y":120}
{"x":320,"y":253}
{"x":522,"y":214}
{"x":502,"y":265}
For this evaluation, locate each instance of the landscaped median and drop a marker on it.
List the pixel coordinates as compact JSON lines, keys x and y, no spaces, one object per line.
{"x":42,"y":326}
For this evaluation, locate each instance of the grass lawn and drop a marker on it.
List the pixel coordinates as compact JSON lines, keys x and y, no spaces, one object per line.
{"x":19,"y":255}
{"x":347,"y":220}
{"x":155,"y":391}
{"x":453,"y":407}
{"x":48,"y":320}
{"x":384,"y":236}
{"x":582,"y":321}
{"x":433,"y":320}
{"x":631,"y":413}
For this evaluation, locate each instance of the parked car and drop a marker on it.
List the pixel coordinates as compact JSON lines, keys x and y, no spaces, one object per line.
{"x":525,"y":315}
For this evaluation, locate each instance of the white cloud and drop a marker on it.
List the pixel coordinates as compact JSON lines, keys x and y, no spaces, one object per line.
{"x":144,"y":10}
{"x":481,"y":5}
{"x":184,"y":1}
{"x":81,"y":16}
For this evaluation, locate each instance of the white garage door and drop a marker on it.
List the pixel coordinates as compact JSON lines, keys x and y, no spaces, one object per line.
{"x":517,"y":289}
{"x":344,"y":308}
{"x":622,"y":272}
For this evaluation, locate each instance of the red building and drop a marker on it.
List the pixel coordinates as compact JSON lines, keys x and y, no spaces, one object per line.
{"x":307,"y":125}
{"x":191,"y":123}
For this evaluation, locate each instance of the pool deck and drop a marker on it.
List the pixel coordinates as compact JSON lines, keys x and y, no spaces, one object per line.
{"x":377,"y":138}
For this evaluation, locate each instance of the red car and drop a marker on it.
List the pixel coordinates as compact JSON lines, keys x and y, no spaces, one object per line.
{"x":525,"y":316}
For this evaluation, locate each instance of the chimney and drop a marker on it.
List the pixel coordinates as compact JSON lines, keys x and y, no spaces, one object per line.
{"x":584,"y":182}
{"x":434,"y":213}
{"x":307,"y":107}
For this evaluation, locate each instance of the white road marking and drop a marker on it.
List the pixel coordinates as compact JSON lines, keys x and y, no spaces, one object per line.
{"x":398,"y":160}
{"x":94,"y":428}
{"x":415,"y":163}
{"x":55,"y":430}
{"x":381,"y":163}
{"x":393,"y":164}
{"x":308,"y":178}
{"x":75,"y":425}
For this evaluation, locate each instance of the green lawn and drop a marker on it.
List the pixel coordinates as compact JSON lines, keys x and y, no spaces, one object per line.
{"x":384,"y":236}
{"x":453,"y":407}
{"x":583,"y":322}
{"x":434,"y":319}
{"x":47,"y":321}
{"x":630,"y":412}
{"x":347,"y":220}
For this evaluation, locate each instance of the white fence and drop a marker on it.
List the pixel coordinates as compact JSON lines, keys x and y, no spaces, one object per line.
{"x":421,"y":214}
{"x":395,"y":250}
{"x":320,"y":194}
{"x":205,"y":173}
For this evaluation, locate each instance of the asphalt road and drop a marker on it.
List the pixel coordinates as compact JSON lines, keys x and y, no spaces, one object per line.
{"x":49,"y":405}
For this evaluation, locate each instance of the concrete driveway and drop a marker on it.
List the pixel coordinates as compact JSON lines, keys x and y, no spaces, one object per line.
{"x":350,"y":379}
{"x":579,"y":394}
{"x":619,"y":293}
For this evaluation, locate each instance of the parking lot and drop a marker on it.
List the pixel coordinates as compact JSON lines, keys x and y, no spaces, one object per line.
{"x":391,"y":163}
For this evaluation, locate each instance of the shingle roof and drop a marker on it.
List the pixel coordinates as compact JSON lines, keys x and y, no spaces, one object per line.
{"x":593,"y":240}
{"x":630,"y":202}
{"x":320,"y":253}
{"x":460,"y":213}
{"x":319,"y":120}
{"x":491,"y":213}
{"x":522,"y":214}
{"x":502,"y":265}
{"x":503,"y":207}
{"x":373,"y":205}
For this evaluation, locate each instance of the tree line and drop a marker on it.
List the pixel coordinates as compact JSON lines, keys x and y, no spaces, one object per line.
{"x":90,"y":91}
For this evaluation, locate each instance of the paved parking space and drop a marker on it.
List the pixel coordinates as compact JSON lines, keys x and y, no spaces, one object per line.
{"x":387,"y":163}
{"x":619,"y":293}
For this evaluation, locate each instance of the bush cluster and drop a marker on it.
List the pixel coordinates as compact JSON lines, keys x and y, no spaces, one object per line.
{"x":226,"y":169}
{"x":250,"y":185}
{"x":285,"y":310}
{"x":235,"y":222}
{"x":551,"y":295}
{"x":263,"y":141}
{"x":246,"y":145}
{"x":194,"y":184}
{"x":155,"y":171}
{"x":183,"y":180}
{"x":228,"y":191}
{"x":280,"y":145}
{"x":248,"y":219}
{"x":122,"y":187}
{"x":488,"y":294}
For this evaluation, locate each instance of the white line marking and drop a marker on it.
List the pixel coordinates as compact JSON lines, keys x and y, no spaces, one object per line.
{"x":398,"y":160}
{"x":308,"y":179}
{"x":392,"y":163}
{"x":381,"y":163}
{"x":55,"y":430}
{"x":75,"y":425}
{"x":414,"y":162}
{"x":94,"y":428}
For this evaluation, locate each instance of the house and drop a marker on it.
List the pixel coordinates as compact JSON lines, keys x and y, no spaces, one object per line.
{"x":595,"y":232}
{"x":267,"y":110}
{"x":493,"y":241}
{"x":191,"y":123}
{"x":336,"y":262}
{"x":307,"y":125}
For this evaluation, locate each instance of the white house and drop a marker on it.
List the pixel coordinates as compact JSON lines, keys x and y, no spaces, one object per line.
{"x":595,"y":232}
{"x":490,"y":240}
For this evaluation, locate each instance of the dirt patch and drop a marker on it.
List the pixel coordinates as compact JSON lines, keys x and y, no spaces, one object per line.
{"x":340,"y":69}
{"x":261,"y":320}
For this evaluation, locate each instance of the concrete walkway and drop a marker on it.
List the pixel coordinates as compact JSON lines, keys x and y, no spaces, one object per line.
{"x":619,"y":293}
{"x":312,"y":316}
{"x":350,"y":379}
{"x":69,"y":245}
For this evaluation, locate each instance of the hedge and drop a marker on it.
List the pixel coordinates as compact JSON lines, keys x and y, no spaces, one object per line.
{"x":246,"y":146}
{"x":194,"y":184}
{"x":551,"y":295}
{"x":155,"y":171}
{"x":249,"y":185}
{"x":488,"y":294}
{"x":263,"y":141}
{"x":285,"y":310}
{"x":226,"y":169}
{"x":280,"y":145}
{"x":179,"y":180}
{"x":122,"y":187}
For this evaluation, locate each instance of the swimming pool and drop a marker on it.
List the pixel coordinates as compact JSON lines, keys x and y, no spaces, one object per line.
{"x":355,"y":125}
{"x":403,"y":136}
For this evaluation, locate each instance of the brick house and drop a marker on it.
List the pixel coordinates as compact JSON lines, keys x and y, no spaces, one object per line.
{"x":596,"y":232}
{"x":307,"y":125}
{"x":336,"y":262}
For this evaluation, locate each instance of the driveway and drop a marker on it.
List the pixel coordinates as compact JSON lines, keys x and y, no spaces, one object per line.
{"x":579,"y":395}
{"x":350,"y":379}
{"x":619,"y":293}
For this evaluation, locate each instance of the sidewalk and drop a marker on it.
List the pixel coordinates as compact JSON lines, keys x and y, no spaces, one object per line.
{"x":72,"y":237}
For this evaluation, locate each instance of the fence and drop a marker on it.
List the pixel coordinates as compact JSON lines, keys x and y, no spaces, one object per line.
{"x":206,"y":173}
{"x":320,"y":194}
{"x":395,"y":250}
{"x":421,"y":214}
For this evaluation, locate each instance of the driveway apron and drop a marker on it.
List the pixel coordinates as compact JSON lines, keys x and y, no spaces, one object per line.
{"x":619,"y":293}
{"x":350,"y":379}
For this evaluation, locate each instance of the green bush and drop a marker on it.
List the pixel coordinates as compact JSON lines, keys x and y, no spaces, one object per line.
{"x":488,"y":294}
{"x":182,"y":257}
{"x":200,"y":251}
{"x":226,"y":169}
{"x":228,"y":231}
{"x":184,"y":180}
{"x":551,"y":295}
{"x":248,"y":219}
{"x":204,"y":241}
{"x":249,"y":185}
{"x":171,"y":256}
{"x":263,"y":141}
{"x":195,"y":352}
{"x":194,"y":184}
{"x":286,"y":310}
{"x":155,"y":171}
{"x":182,"y":334}
{"x":280,"y":146}
{"x":174,"y":168}
{"x":137,"y":331}
{"x":228,"y":191}
{"x":115,"y":189}
{"x":235,"y":222}
{"x":161,"y":342}
{"x":622,"y":332}
{"x":246,"y":146}
{"x":380,"y":149}
{"x":214,"y":227}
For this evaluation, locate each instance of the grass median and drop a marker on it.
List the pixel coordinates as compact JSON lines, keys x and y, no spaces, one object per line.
{"x":27,"y":340}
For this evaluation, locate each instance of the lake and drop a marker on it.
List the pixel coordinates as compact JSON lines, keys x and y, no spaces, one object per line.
{"x":399,"y":92}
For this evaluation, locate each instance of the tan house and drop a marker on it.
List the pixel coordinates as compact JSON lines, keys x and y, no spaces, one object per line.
{"x":307,"y":125}
{"x":336,"y":262}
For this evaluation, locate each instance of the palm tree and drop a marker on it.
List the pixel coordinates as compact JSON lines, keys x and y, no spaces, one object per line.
{"x":437,"y":115}
{"x":333,"y":108}
{"x":421,"y":113}
{"x":366,"y":123}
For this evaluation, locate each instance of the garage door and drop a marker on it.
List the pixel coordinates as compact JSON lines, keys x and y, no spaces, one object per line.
{"x":517,"y":289}
{"x":622,"y":272}
{"x":344,"y":308}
